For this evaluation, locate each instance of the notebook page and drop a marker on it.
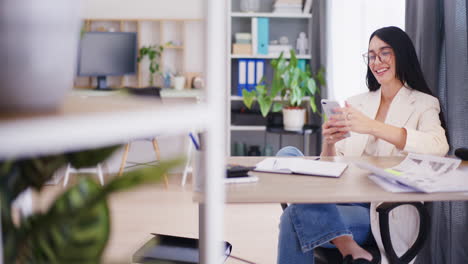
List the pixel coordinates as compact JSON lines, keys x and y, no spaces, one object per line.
{"x":321,"y":168}
{"x":301,"y":166}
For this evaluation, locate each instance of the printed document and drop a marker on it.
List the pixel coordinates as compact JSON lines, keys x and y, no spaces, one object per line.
{"x":421,"y":173}
{"x":301,"y":166}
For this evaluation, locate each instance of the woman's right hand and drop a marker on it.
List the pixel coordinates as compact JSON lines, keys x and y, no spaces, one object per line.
{"x":332,"y":133}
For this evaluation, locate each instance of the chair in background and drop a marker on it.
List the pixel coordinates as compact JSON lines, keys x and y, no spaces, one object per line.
{"x":97,"y":170}
{"x":331,"y":256}
{"x":156,"y":151}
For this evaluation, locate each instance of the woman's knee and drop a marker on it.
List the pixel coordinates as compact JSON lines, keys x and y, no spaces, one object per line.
{"x":289,"y":151}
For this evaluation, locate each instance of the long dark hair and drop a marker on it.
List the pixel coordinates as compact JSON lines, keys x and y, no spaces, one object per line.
{"x":408,"y":70}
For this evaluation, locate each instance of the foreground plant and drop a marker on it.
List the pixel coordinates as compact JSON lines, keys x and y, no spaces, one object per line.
{"x":76,"y":228}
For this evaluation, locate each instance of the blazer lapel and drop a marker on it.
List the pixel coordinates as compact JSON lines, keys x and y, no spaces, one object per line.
{"x":369,"y":107}
{"x":398,"y":114}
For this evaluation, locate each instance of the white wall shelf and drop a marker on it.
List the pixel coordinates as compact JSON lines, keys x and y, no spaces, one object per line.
{"x":236,"y":56}
{"x":89,"y":122}
{"x":274,"y":15}
{"x":247,"y":128}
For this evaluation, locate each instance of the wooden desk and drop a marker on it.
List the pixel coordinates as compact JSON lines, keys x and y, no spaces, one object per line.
{"x":352,"y":186}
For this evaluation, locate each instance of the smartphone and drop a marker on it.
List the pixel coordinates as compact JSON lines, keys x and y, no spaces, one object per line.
{"x":328,"y":106}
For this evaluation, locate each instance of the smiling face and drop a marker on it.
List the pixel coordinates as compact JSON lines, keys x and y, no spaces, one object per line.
{"x":381,"y":59}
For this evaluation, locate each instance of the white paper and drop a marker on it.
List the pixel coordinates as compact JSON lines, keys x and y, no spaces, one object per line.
{"x":390,"y":185}
{"x":424,"y":173}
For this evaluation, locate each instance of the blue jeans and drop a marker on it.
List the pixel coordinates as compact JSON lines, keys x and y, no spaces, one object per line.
{"x":304,"y":227}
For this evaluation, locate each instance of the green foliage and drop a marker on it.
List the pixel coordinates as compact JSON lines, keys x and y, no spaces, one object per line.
{"x":76,"y":228}
{"x":153,"y":52}
{"x":289,"y":82}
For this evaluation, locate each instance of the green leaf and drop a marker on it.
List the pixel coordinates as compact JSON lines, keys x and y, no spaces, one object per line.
{"x":261,"y":89}
{"x":311,"y":86}
{"x":276,"y":86}
{"x":320,"y":77}
{"x":17,"y":176}
{"x":248,"y":98}
{"x":76,"y":228}
{"x":265,"y":104}
{"x":90,"y":158}
{"x":312,"y":104}
{"x":293,"y":60}
{"x":146,"y":175}
{"x":72,"y":231}
{"x":277,"y":107}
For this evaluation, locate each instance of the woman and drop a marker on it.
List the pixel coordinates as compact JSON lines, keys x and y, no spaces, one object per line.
{"x":398,"y":115}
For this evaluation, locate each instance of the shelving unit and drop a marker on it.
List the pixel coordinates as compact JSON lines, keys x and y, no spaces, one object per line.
{"x":289,"y":25}
{"x":180,"y":57}
{"x":91,"y":122}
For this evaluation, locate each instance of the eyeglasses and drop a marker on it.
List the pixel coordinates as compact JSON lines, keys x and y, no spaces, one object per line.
{"x":384,"y":55}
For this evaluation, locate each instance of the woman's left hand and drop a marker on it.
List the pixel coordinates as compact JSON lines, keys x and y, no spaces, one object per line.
{"x":354,"y":120}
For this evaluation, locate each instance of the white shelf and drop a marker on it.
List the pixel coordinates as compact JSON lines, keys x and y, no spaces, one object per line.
{"x":247,"y":128}
{"x":85,"y":122}
{"x":277,"y":98}
{"x":185,"y":93}
{"x":273,"y":15}
{"x":236,"y":56}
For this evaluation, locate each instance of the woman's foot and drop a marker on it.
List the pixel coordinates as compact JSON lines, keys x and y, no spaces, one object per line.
{"x":347,"y":246}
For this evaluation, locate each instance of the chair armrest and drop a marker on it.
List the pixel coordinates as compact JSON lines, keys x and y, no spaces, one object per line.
{"x":424,"y":224}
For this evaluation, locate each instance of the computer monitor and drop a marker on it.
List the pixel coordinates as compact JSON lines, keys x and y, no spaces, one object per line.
{"x":105,"y":54}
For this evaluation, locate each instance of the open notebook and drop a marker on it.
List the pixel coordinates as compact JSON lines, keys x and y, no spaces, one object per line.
{"x":301,"y":166}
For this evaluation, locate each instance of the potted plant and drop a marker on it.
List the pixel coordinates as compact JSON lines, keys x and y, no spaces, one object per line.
{"x":153,"y":52}
{"x":291,"y":84}
{"x":76,"y":227}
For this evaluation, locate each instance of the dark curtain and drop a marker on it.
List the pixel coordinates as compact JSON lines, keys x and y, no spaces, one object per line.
{"x":318,"y":51}
{"x":438,"y":29}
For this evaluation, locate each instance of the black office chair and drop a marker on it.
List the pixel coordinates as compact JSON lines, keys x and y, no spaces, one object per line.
{"x":333,"y":256}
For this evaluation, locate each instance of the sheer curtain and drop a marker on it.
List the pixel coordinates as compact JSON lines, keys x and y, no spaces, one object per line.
{"x":439,"y":30}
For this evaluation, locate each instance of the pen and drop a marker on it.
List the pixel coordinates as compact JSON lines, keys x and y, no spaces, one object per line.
{"x":197,"y":147}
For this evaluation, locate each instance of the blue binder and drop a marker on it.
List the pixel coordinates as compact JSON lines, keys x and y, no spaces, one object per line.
{"x":259,"y":70}
{"x":263,"y":35}
{"x":251,"y":74}
{"x":301,"y":64}
{"x":242,"y":76}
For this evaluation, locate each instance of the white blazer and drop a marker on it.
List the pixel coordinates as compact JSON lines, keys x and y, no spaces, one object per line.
{"x":418,"y":113}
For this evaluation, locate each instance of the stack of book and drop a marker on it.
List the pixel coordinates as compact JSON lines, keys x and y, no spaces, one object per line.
{"x":288,"y":6}
{"x":243,"y":44}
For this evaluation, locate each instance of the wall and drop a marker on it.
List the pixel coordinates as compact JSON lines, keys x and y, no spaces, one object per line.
{"x":143,"y":9}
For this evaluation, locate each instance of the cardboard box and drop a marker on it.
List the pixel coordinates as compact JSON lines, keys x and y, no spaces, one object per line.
{"x":242,"y":49}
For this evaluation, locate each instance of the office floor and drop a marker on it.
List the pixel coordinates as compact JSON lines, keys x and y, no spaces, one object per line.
{"x":251,"y":229}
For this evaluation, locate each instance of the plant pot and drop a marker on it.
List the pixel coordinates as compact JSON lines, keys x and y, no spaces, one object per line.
{"x":179,"y":82}
{"x":293,"y":118}
{"x":39,"y":49}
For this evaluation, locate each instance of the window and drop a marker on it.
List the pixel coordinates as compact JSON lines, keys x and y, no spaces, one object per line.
{"x":349,"y":26}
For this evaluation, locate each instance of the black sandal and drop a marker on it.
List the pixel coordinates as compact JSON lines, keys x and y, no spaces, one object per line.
{"x":375,"y":258}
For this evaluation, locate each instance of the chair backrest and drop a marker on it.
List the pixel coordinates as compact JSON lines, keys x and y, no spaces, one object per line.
{"x":384,"y":223}
{"x":324,"y":255}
